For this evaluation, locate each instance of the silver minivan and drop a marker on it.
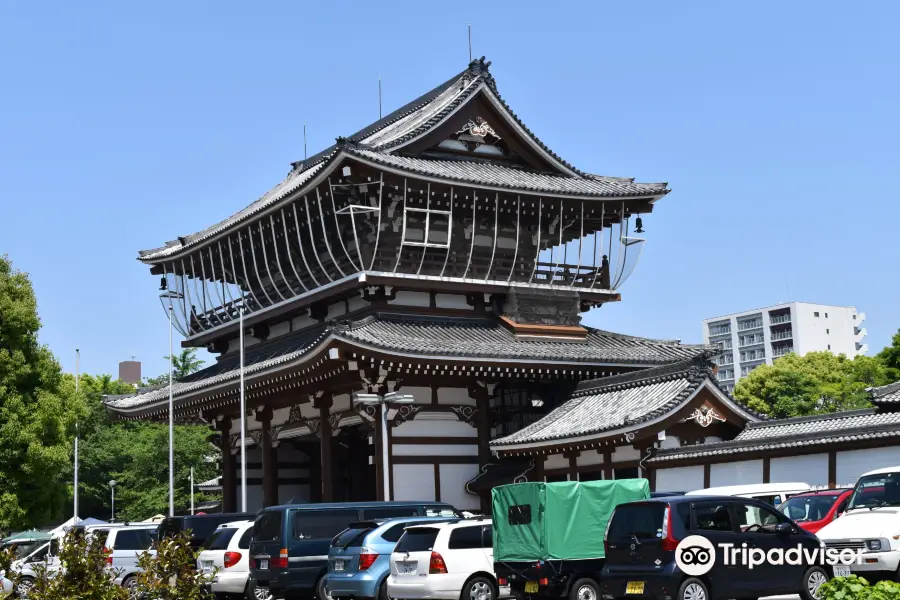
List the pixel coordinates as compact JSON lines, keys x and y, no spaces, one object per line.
{"x":126,"y":545}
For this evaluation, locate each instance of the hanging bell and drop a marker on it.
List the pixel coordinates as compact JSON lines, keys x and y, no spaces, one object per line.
{"x":639,"y":225}
{"x":163,"y":284}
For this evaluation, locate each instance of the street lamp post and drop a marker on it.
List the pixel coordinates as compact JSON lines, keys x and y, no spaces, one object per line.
{"x":112,"y":491}
{"x":384,"y":402}
{"x":171,"y":295}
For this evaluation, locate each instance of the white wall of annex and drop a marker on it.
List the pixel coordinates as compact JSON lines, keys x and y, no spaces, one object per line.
{"x":853,"y":463}
{"x":453,"y":486}
{"x":680,"y":479}
{"x":736,"y":473}
{"x":807,"y":468}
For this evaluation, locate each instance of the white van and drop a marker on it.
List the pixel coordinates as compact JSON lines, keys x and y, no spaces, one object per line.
{"x":871,"y":523}
{"x":773,"y":493}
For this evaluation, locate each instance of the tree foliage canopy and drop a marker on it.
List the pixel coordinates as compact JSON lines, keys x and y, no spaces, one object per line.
{"x":183,"y":364}
{"x":890,"y":358}
{"x":818,"y":382}
{"x":36,"y":414}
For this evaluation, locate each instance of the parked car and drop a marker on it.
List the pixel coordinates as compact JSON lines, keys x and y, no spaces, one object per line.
{"x":289,"y":549}
{"x":226,"y":556}
{"x":125,"y":546}
{"x":771,"y":493}
{"x":200,"y":526}
{"x":814,"y":510}
{"x":446,"y":561}
{"x":642,"y":538}
{"x":870,"y":523}
{"x":359,"y":561}
{"x":548,"y":537}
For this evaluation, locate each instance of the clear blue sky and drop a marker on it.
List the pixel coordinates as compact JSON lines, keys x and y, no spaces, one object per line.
{"x":125,"y":124}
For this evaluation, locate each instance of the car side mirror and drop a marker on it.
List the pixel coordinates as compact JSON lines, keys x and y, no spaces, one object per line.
{"x":783,"y":529}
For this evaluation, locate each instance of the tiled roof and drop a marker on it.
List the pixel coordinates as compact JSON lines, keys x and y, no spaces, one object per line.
{"x":471,"y":339}
{"x":795,"y":433}
{"x":485,"y":338}
{"x":888,"y":394}
{"x":415,"y":119}
{"x":507,"y":177}
{"x":612,"y":403}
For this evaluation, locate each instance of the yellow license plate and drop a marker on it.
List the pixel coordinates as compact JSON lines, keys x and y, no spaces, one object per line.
{"x":531,"y":587}
{"x":634,"y":587}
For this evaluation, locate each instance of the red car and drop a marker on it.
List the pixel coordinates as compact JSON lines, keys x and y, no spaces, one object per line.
{"x":814,"y":510}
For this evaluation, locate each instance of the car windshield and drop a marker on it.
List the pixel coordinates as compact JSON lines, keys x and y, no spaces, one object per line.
{"x":872,"y":491}
{"x":808,"y":508}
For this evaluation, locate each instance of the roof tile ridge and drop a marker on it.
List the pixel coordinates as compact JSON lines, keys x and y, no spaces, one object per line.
{"x":883,"y":390}
{"x":841,"y":414}
{"x":682,"y":369}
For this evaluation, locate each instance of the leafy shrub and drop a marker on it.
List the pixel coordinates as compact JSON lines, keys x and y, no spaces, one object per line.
{"x":170,"y":573}
{"x":858,"y":588}
{"x":82,"y":573}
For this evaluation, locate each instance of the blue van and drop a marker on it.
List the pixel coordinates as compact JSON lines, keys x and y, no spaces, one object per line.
{"x":290,"y":544}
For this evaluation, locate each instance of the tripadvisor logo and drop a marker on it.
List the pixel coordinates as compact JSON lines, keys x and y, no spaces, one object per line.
{"x":695,"y":555}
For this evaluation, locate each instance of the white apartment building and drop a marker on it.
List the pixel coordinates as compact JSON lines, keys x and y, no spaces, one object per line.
{"x":755,"y":337}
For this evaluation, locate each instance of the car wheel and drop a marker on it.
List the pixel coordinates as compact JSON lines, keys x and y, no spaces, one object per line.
{"x":813,"y":578}
{"x":382,"y":591}
{"x":322,"y":592}
{"x":692,"y":589}
{"x":584,"y":589}
{"x":23,"y":588}
{"x":479,"y":588}
{"x":130,"y":584}
{"x":254,"y":592}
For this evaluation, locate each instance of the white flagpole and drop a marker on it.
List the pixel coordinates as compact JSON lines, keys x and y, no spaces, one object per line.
{"x":171,"y":423}
{"x":192,"y":490}
{"x":243,"y":421}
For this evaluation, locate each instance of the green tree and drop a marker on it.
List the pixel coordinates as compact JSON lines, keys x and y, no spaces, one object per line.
{"x":890,"y":358}
{"x":819,"y":382}
{"x":36,"y":416}
{"x":185,"y":363}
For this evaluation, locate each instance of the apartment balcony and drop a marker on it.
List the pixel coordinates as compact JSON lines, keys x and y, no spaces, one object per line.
{"x":781,"y":351}
{"x":778,"y":320}
{"x":756,"y":358}
{"x":782,"y":335}
{"x":862,"y":348}
{"x":859,"y":333}
{"x":746,"y":326}
{"x":717,"y":332}
{"x":723,"y":361}
{"x":724,"y":378}
{"x":759,"y":342}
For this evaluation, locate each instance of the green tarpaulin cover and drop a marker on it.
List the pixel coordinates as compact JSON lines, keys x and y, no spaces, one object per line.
{"x":559,"y":521}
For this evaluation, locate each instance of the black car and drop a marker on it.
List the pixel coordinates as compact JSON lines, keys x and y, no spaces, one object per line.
{"x":200,"y":526}
{"x":643,"y":538}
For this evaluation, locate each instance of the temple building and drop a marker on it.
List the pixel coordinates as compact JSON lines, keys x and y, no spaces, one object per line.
{"x":412,"y":301}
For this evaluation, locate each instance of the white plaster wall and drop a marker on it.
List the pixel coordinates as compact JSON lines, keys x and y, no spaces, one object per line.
{"x":455,"y":396}
{"x":413,"y":482}
{"x":453,"y":486}
{"x":452,"y":301}
{"x":420,"y":393}
{"x":556,"y":461}
{"x":341,"y":403}
{"x":302,"y":322}
{"x":336,"y":310}
{"x":288,"y":492}
{"x":806,"y":468}
{"x":280,"y":328}
{"x":625,"y":453}
{"x":254,"y":496}
{"x":736,"y":473}
{"x":434,"y":449}
{"x":589,"y":457}
{"x":679,"y":479}
{"x":420,"y":427}
{"x":670,"y":442}
{"x":853,"y":463}
{"x":412,"y":299}
{"x":357,"y":303}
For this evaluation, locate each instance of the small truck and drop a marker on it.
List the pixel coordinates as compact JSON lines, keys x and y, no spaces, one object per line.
{"x":548,"y":537}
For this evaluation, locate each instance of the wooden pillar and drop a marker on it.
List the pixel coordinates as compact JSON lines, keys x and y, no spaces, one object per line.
{"x":269,"y":466}
{"x":832,"y":469}
{"x":573,"y":464}
{"x":706,"y":475}
{"x":483,"y":425}
{"x":229,"y":464}
{"x":767,"y":467}
{"x":381,"y":439}
{"x":325,"y":446}
{"x":315,"y":472}
{"x":539,"y":468}
{"x":607,"y":465}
